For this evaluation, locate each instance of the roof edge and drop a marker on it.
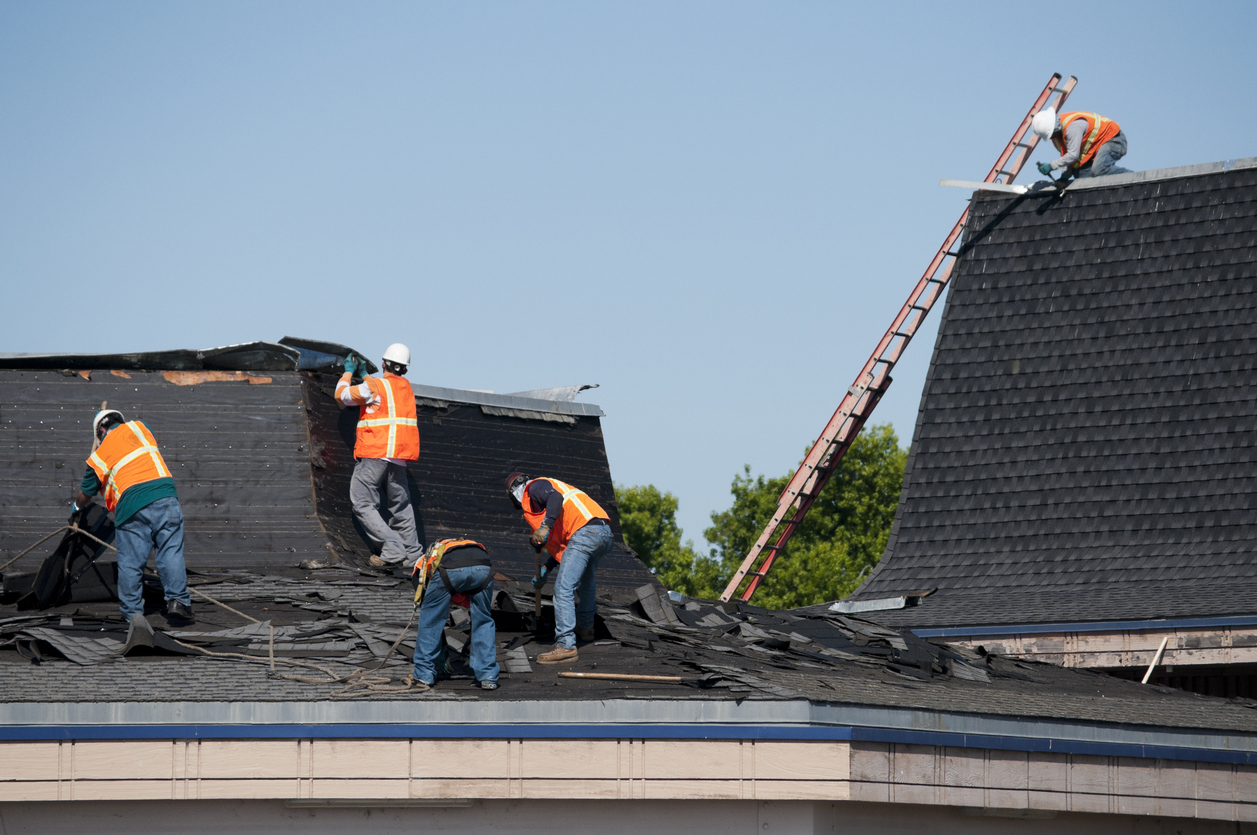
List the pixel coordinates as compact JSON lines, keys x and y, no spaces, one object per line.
{"x":1084,"y":626}
{"x":641,"y":719}
{"x":1156,"y":174}
{"x":506,"y":401}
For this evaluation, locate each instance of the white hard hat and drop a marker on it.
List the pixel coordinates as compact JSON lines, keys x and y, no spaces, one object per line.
{"x":100,"y":417}
{"x":1044,"y":123}
{"x":397,"y":353}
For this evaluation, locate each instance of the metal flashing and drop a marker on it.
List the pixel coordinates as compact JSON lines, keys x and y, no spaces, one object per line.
{"x":1241,"y":755}
{"x":1157,"y":174}
{"x":506,"y":401}
{"x":637,"y":718}
{"x":1129,"y":178}
{"x":881,"y":604}
{"x":1098,"y":626}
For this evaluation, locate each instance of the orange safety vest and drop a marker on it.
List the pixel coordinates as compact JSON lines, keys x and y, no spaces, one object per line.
{"x":388,"y":429}
{"x":578,"y":509}
{"x":1100,"y":130}
{"x":128,"y":456}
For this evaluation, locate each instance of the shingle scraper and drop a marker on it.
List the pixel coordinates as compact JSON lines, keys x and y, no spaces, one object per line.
{"x":973,"y":185}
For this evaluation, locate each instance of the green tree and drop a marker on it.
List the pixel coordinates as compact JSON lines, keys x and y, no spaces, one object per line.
{"x":648,"y":519}
{"x":842,"y":537}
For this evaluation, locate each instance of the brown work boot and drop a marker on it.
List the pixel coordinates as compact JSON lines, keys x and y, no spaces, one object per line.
{"x":559,"y":655}
{"x":585,"y":634}
{"x":376,"y":562}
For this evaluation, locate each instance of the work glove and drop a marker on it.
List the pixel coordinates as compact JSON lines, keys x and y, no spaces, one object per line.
{"x":539,"y":536}
{"x":74,"y":512}
{"x":539,"y":582}
{"x":543,"y":575}
{"x":1045,"y":168}
{"x":353,"y":365}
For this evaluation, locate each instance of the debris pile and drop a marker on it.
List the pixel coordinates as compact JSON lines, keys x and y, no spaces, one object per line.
{"x":341,"y":624}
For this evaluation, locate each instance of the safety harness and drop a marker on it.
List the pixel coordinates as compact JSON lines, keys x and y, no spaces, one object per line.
{"x":430,"y":563}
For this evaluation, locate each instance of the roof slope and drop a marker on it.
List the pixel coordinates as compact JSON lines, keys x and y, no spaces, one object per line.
{"x":262,"y":454}
{"x":1086,"y":446}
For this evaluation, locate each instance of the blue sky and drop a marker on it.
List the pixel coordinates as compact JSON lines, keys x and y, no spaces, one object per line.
{"x":711,"y":209}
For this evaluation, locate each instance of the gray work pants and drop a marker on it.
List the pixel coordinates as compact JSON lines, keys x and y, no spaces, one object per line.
{"x":376,"y":481}
{"x":1105,"y":160}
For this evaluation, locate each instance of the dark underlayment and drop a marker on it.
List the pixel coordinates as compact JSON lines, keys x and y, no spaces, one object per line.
{"x":1086,"y":447}
{"x":262,"y":457}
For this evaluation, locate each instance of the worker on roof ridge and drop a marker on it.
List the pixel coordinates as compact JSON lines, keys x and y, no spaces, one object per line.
{"x":576,"y":532}
{"x":127,"y":466}
{"x":388,"y":438}
{"x":1090,"y":144}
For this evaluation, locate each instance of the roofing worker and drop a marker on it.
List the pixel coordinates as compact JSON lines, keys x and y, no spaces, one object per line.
{"x":128,"y":467}
{"x":1090,"y":145}
{"x":464,"y":576}
{"x":576,"y":532}
{"x":388,"y":437}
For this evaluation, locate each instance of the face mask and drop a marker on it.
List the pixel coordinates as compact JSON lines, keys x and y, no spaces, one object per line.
{"x":518,"y":493}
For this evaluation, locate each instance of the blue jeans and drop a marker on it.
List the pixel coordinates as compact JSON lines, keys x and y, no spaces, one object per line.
{"x":576,"y":578}
{"x":158,"y":526}
{"x":1105,"y":160}
{"x":436,"y":610}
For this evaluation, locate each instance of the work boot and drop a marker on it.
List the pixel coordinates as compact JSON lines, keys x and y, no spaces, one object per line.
{"x":585,"y":634}
{"x":415,"y":685}
{"x":376,"y":562}
{"x":559,"y":655}
{"x":178,"y":610}
{"x":487,"y":684}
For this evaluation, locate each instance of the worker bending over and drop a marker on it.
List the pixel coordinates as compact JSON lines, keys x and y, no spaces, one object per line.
{"x":456,"y":571}
{"x":388,"y":437}
{"x":1090,"y":145}
{"x":127,"y":466}
{"x":576,"y":532}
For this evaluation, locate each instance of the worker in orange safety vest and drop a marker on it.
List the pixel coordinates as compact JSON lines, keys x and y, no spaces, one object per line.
{"x":1089,"y":144}
{"x":127,"y":467}
{"x":388,"y":439}
{"x":576,"y":532}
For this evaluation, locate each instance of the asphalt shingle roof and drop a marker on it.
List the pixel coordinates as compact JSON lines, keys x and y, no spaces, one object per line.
{"x":1086,"y":446}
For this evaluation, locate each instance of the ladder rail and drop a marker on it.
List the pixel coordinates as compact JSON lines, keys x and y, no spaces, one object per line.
{"x":870,"y":384}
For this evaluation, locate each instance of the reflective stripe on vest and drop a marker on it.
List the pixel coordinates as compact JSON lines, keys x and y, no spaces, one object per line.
{"x":1099,"y":131}
{"x":109,"y":480}
{"x":567,"y":523}
{"x":406,"y":426}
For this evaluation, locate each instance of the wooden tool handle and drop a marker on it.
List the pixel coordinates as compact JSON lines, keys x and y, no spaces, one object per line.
{"x":624,"y":677}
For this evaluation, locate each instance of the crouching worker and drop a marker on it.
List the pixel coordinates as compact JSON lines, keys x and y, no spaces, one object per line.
{"x":127,"y":467}
{"x":576,"y":532}
{"x":457,"y":571}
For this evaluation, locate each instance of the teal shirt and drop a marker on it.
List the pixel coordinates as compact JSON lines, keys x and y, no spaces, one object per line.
{"x":135,"y":498}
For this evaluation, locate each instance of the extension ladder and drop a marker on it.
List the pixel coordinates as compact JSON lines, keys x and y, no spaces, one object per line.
{"x":863,"y":395}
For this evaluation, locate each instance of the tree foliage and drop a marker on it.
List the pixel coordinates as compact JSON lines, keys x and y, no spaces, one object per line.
{"x":842,"y":537}
{"x":648,"y":519}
